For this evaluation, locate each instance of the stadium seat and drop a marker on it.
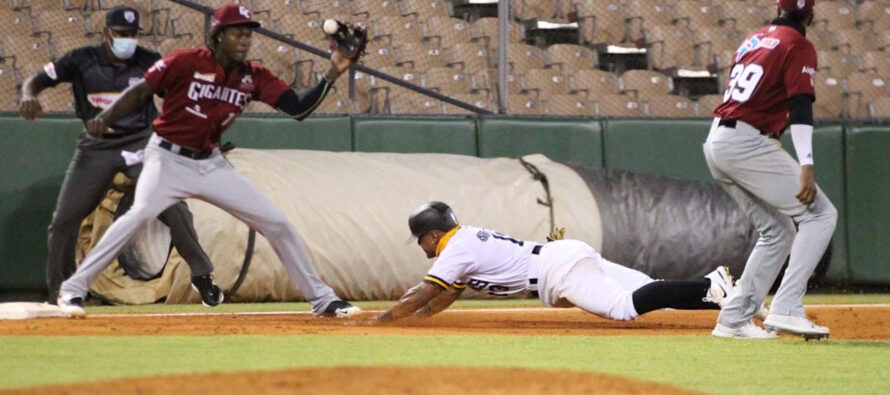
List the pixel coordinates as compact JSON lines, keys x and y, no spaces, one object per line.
{"x":448,"y":81}
{"x":469,"y":57}
{"x":476,"y":100}
{"x":592,"y":83}
{"x":447,"y":32}
{"x":879,"y":109}
{"x":862,"y":89}
{"x":852,"y":41}
{"x":62,"y":45}
{"x":14,"y":23}
{"x":695,"y":14}
{"x":670,"y":47}
{"x":30,"y":53}
{"x":875,"y":15}
{"x":336,"y":102}
{"x":705,"y":105}
{"x":740,"y":15}
{"x":302,"y":27}
{"x":534,"y":9}
{"x":711,"y":41}
{"x":276,"y":56}
{"x":543,"y":83}
{"x":669,"y":106}
{"x":185,"y":23}
{"x":486,"y":31}
{"x":410,"y":102}
{"x":59,"y":23}
{"x":617,"y":106}
{"x":829,"y":97}
{"x":271,"y":10}
{"x":404,"y":30}
{"x":375,"y":8}
{"x":834,"y":15}
{"x":168,"y":45}
{"x":601,"y":21}
{"x":822,"y":41}
{"x":523,"y":57}
{"x":835,"y":63}
{"x":645,"y":83}
{"x":422,"y":10}
{"x":320,"y":9}
{"x":379,"y":57}
{"x":523,"y":105}
{"x":876,"y":62}
{"x":570,"y":58}
{"x":419,"y":56}
{"x":58,"y":99}
{"x":573,"y":105}
{"x":646,"y":13}
{"x":8,"y":88}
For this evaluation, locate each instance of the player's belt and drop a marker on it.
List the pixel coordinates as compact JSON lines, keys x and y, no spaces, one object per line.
{"x":533,"y":282}
{"x":732,"y":123}
{"x":186,"y":152}
{"x":536,"y":250}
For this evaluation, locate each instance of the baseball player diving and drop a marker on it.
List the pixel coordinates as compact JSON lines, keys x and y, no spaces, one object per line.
{"x":772,"y":86}
{"x":563,"y":273}
{"x":204,"y":90}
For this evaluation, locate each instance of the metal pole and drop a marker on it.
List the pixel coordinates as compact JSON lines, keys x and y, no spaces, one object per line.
{"x":503,"y":22}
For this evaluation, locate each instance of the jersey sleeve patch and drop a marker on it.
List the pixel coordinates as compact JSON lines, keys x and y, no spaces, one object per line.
{"x":436,"y":281}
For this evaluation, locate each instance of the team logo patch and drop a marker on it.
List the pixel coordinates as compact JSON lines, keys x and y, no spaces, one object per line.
{"x":158,"y":66}
{"x":50,"y":70}
{"x":246,"y":84}
{"x":244,"y":12}
{"x":102,"y":100}
{"x":801,"y":4}
{"x":483,"y":235}
{"x":129,"y":16}
{"x":209,"y":77}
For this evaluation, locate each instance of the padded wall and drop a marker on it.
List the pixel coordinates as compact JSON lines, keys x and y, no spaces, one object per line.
{"x":868,"y":191}
{"x":322,"y":133}
{"x":577,"y":141}
{"x":671,"y":148}
{"x":421,"y":135}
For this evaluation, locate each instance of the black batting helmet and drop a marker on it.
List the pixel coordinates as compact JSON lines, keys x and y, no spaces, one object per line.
{"x":431,"y":216}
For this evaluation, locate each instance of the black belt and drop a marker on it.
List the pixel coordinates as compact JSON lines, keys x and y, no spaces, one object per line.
{"x":731,"y":123}
{"x":536,"y":250}
{"x":186,"y":152}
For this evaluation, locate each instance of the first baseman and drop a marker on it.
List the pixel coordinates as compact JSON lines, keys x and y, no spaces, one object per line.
{"x":98,"y":74}
{"x":204,"y":90}
{"x":772,"y":85}
{"x":563,"y":273}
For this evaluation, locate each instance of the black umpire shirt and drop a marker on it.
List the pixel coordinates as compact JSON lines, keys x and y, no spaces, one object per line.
{"x":96,"y":82}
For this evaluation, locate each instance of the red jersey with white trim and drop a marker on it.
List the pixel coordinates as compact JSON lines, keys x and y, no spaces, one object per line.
{"x":201,"y":99}
{"x":773,"y":64}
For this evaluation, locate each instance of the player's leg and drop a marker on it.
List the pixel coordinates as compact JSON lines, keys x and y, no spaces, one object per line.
{"x":158,"y":187}
{"x":182,"y":233}
{"x":674,"y":294}
{"x":628,"y":278}
{"x":86,"y":181}
{"x":234,"y":193}
{"x":587,"y":287}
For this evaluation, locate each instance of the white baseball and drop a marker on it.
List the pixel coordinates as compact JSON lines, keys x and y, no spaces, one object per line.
{"x":330,"y":26}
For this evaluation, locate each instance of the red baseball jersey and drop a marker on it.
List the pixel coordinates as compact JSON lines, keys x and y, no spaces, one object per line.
{"x":772,"y":65}
{"x":201,"y":99}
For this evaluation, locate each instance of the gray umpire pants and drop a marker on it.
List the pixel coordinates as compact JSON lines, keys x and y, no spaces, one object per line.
{"x":764,"y":179}
{"x":88,"y":178}
{"x":166,"y":179}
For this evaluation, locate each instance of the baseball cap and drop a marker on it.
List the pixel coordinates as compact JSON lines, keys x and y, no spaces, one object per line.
{"x":231,"y":14}
{"x":796,"y":6}
{"x":122,"y":18}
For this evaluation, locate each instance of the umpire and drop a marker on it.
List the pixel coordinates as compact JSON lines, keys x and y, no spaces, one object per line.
{"x":98,"y":74}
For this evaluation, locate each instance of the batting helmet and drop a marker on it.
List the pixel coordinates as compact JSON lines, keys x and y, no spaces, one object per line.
{"x":431,"y":216}
{"x":803,"y":7}
{"x":231,"y":15}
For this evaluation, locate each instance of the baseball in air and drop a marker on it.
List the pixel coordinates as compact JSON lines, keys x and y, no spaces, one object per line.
{"x":330,"y":26}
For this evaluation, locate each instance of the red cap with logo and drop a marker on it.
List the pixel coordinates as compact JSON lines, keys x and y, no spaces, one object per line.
{"x":796,"y":6}
{"x":231,"y":15}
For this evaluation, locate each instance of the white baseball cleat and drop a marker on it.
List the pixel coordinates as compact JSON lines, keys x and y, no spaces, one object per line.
{"x":800,"y":326}
{"x":721,"y":286}
{"x":71,"y":306}
{"x":749,"y":331}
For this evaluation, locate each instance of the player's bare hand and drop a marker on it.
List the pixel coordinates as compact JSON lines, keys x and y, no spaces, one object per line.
{"x":339,"y":63}
{"x":807,"y":192}
{"x":97,"y":127}
{"x":30,"y":108}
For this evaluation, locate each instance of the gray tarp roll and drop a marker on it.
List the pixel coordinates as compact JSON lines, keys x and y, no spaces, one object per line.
{"x":668,"y":228}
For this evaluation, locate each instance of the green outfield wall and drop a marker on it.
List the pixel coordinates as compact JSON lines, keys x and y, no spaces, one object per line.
{"x":852,"y":168}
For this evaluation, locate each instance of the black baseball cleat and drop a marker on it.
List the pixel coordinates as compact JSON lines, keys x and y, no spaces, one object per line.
{"x":211,"y":295}
{"x":71,"y":306}
{"x":338,"y":308}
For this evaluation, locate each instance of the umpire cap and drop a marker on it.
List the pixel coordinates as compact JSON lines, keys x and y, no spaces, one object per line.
{"x":231,"y":14}
{"x":431,"y":216}
{"x":122,"y":18}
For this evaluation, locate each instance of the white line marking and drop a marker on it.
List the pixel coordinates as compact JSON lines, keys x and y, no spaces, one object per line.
{"x":455,"y":310}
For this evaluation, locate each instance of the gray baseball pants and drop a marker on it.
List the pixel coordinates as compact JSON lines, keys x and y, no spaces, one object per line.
{"x":764,"y":179}
{"x":167,"y":178}
{"x":89,"y":175}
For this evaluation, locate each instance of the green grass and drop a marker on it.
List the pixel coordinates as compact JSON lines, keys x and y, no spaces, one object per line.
{"x":490,"y":303}
{"x":787,"y":366}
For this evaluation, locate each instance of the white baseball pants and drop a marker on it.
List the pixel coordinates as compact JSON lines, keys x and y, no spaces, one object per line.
{"x":764,"y":180}
{"x":167,"y":178}
{"x":571,"y":273}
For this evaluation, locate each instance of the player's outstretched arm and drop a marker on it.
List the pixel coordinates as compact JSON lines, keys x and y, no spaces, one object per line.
{"x":416,"y":297}
{"x":129,"y":100}
{"x":298,"y":105}
{"x":30,"y":107}
{"x":440,"y":303}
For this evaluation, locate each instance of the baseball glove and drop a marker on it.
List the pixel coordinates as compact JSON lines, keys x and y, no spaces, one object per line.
{"x":349,"y":40}
{"x":557,"y":234}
